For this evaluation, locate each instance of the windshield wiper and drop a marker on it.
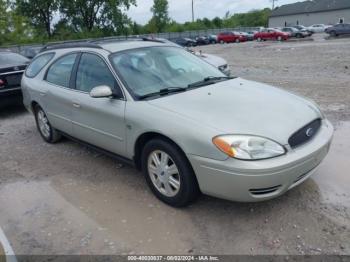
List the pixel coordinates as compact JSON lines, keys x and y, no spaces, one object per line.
{"x":164,"y":91}
{"x":209,"y":80}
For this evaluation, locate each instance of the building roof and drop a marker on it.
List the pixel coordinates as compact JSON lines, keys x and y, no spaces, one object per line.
{"x":310,"y":6}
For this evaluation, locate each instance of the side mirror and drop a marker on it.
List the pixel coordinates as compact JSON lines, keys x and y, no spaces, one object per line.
{"x":101,"y":91}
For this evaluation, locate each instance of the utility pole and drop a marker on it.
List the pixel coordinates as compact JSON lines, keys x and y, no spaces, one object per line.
{"x":192,"y":12}
{"x":273,"y":3}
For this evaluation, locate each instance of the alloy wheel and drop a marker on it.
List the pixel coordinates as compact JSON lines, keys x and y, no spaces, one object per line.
{"x":164,"y":173}
{"x":43,"y":123}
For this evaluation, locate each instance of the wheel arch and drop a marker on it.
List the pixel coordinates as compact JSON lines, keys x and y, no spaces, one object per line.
{"x":144,"y":138}
{"x":33,"y":104}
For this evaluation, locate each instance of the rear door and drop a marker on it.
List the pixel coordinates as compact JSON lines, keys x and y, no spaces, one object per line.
{"x":56,"y":93}
{"x":97,"y":121}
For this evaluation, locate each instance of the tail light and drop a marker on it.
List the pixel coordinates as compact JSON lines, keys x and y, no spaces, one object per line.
{"x":2,"y":83}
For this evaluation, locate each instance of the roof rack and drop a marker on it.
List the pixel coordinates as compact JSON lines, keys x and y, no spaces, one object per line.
{"x":94,"y":43}
{"x":113,"y":39}
{"x":73,"y":44}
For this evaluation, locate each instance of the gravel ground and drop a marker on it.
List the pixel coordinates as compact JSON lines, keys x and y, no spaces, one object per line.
{"x":67,"y":199}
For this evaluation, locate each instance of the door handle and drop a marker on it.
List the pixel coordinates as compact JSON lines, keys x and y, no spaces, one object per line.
{"x":76,"y":105}
{"x":42,"y":94}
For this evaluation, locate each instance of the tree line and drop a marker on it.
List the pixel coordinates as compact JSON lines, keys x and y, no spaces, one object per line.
{"x":39,"y":21}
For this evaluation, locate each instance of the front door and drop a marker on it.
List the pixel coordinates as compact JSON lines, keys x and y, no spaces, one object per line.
{"x":98,"y":121}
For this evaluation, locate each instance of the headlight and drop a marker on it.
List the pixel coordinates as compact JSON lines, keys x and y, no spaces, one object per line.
{"x":248,"y":147}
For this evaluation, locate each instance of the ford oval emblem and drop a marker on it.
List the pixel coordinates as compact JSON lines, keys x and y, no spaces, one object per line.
{"x":16,"y":68}
{"x":309,"y":132}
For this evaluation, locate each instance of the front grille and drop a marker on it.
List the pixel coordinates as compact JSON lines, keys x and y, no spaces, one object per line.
{"x":263,"y":191}
{"x":304,"y":134}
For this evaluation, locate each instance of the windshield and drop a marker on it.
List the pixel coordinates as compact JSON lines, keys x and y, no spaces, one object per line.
{"x":150,"y":70}
{"x":12,"y":59}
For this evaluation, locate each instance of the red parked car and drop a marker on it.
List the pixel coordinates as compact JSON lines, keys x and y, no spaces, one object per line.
{"x":271,"y":34}
{"x":231,"y":37}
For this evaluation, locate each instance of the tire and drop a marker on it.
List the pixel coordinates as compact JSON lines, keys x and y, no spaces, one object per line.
{"x":333,"y":33}
{"x":183,"y":187}
{"x":259,"y":39}
{"x":299,"y":35}
{"x":47,"y":132}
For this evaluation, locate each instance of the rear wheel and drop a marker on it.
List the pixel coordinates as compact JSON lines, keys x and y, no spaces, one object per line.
{"x":168,"y":173}
{"x":47,"y":132}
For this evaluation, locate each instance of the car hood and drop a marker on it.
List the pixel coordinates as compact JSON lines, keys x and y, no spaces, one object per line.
{"x":240,"y":106}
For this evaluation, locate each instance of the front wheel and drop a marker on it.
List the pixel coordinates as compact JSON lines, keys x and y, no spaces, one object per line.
{"x":47,"y":132}
{"x":168,"y":173}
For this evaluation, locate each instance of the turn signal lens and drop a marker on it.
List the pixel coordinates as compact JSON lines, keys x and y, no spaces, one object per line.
{"x":224,"y":146}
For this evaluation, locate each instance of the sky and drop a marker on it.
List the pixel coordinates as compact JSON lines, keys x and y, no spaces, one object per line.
{"x":180,"y":10}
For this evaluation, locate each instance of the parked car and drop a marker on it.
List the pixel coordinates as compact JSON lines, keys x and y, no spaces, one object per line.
{"x":187,"y":42}
{"x":338,"y":29}
{"x":248,"y":35}
{"x":202,"y":40}
{"x":186,"y":125}
{"x":231,"y":37}
{"x":12,"y":66}
{"x":214,"y":60}
{"x":295,"y":32}
{"x":317,"y":28}
{"x":304,"y":29}
{"x":213,"y":39}
{"x":271,"y":34}
{"x":30,"y":52}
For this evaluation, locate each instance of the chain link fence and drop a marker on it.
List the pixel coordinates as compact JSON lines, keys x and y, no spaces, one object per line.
{"x":170,"y":36}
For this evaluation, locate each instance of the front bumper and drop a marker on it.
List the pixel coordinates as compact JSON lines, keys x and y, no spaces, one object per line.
{"x":250,"y":181}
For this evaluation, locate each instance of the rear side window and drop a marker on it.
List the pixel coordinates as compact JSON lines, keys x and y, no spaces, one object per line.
{"x":60,"y":71}
{"x":38,"y":63}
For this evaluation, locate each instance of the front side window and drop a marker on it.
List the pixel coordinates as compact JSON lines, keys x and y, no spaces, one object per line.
{"x":92,"y":72}
{"x":60,"y":71}
{"x":38,"y":63}
{"x":149,"y":70}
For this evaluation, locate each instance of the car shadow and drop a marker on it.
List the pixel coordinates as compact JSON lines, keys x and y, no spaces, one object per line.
{"x":12,"y":111}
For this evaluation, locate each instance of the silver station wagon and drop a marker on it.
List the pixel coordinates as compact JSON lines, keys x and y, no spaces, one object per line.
{"x":190,"y":128}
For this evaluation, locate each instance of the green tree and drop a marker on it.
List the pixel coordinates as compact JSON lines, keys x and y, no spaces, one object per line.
{"x":14,"y":28}
{"x":85,"y":15}
{"x":160,"y":17}
{"x":39,"y":13}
